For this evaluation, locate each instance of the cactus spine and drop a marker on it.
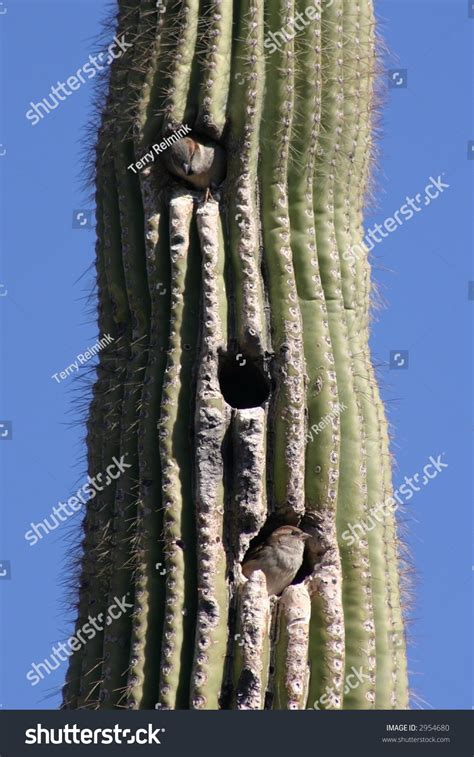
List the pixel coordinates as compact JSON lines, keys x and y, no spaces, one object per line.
{"x":257,"y":275}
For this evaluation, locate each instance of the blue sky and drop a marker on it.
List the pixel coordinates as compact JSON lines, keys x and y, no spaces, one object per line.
{"x":422,"y":268}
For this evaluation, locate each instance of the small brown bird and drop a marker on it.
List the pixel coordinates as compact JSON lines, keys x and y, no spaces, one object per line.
{"x":279,"y":557}
{"x":200,"y":162}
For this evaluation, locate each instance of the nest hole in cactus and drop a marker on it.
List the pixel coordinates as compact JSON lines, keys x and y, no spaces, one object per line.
{"x":242,"y":380}
{"x":311,"y":555}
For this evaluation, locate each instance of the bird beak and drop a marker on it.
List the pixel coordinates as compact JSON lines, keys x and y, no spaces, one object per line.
{"x":186,"y":168}
{"x":305,"y":537}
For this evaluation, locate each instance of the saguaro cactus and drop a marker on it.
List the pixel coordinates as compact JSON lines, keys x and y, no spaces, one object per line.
{"x":239,"y":387}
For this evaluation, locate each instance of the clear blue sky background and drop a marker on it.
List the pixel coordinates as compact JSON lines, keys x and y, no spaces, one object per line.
{"x":426,"y":129}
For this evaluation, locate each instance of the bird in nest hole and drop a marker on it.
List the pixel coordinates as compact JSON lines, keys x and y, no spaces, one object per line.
{"x":199,"y":162}
{"x":279,"y":557}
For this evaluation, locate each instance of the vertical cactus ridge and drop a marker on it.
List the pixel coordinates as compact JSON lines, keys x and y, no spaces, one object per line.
{"x":211,"y":423}
{"x":363,"y":155}
{"x":361,"y":35}
{"x":90,"y":657}
{"x":109,"y":221}
{"x":321,"y":397}
{"x":245,"y":106}
{"x":248,"y":510}
{"x":181,"y":98}
{"x":355,"y":272}
{"x":326,"y":651}
{"x":176,"y":458}
{"x":216,"y":42}
{"x":151,"y":104}
{"x":356,"y":105}
{"x":379,"y":559}
{"x":248,"y":489}
{"x":98,"y":519}
{"x":84,"y":670}
{"x":287,"y":470}
{"x":252,"y":660}
{"x":147,"y":554}
{"x":146,"y":51}
{"x":263,"y":280}
{"x":117,"y":635}
{"x":97,"y":525}
{"x":149,"y":583}
{"x":397,"y":636}
{"x":322,"y":443}
{"x":356,"y":586}
{"x":291,"y":649}
{"x":355,"y":155}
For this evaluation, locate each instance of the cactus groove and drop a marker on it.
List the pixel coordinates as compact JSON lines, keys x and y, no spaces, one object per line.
{"x":240,"y":324}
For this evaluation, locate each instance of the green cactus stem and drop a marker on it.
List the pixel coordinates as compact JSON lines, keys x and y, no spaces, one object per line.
{"x":239,"y":386}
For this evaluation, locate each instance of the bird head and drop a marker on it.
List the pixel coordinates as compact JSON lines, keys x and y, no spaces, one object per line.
{"x":178,"y":157}
{"x":289,"y":534}
{"x":199,"y":161}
